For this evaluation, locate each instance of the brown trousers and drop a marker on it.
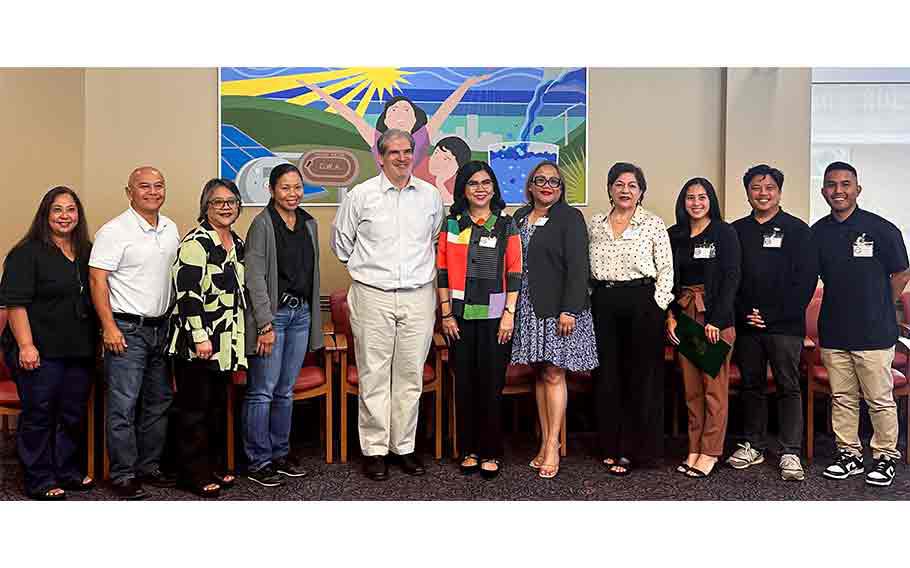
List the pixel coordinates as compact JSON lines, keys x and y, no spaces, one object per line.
{"x":706,"y":397}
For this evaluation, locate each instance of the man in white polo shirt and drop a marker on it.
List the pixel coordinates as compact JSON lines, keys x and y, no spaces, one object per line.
{"x":385,"y":232}
{"x":131,"y":289}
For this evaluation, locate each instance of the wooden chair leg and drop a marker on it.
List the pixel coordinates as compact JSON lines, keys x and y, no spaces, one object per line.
{"x":438,"y":404}
{"x":90,"y":432}
{"x":343,"y":450}
{"x":329,"y":440}
{"x":810,"y":423}
{"x":321,"y":420}
{"x":230,"y":458}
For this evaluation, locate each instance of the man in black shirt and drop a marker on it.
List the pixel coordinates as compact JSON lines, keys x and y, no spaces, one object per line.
{"x":779,"y":275}
{"x":863,"y":263}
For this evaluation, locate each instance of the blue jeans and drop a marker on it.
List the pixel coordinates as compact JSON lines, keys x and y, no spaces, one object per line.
{"x":137,"y":377}
{"x":54,"y":398}
{"x":270,"y":387}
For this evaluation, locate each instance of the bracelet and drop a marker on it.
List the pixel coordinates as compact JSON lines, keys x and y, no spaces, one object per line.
{"x":445,"y":302}
{"x":264,"y":330}
{"x":447,"y":316}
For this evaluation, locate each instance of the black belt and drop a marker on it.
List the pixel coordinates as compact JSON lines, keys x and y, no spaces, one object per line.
{"x":623,"y":283}
{"x":291,"y":301}
{"x":141,"y":320}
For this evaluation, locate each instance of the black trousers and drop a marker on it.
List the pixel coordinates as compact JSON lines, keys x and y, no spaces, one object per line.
{"x":480,"y":374}
{"x":201,"y":406}
{"x":754,"y":352}
{"x":629,"y":384}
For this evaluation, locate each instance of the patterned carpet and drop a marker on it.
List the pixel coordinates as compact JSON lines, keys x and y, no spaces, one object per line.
{"x":581,"y":477}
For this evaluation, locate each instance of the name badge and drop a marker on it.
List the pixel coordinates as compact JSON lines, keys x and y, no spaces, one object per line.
{"x":488,"y":242}
{"x":863,"y":247}
{"x":774,"y":239}
{"x":707,"y":250}
{"x":541,"y":221}
{"x":630,"y":234}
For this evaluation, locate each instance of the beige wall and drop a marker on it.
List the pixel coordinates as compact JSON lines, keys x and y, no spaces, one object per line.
{"x":41,"y":129}
{"x":93,"y":126}
{"x":768,"y":120}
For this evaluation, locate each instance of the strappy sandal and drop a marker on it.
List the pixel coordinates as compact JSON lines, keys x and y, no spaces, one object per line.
{"x":538,"y":459}
{"x":203,"y":488}
{"x":49,"y":495}
{"x":85,"y":484}
{"x":225,"y":479}
{"x":683,"y":468}
{"x":469,"y":469}
{"x":490,"y":473}
{"x":620,"y":468}
{"x":696,"y":473}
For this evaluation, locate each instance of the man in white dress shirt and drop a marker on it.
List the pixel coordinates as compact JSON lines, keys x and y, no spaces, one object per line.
{"x":385,"y":232}
{"x":130,"y":271}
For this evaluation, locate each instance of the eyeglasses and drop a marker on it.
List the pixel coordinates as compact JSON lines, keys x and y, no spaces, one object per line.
{"x":541,"y":181}
{"x":486,"y":184}
{"x":224,"y":203}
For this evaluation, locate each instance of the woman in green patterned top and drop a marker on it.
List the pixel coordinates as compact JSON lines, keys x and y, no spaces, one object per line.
{"x":207,"y":339}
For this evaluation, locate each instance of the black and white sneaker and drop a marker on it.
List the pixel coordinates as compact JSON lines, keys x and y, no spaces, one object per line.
{"x":285,"y":467}
{"x":844,"y":466}
{"x":265,"y":476}
{"x":883,"y":473}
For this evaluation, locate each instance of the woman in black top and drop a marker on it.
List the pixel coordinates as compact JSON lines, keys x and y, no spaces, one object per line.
{"x":706,"y":265}
{"x":51,"y":342}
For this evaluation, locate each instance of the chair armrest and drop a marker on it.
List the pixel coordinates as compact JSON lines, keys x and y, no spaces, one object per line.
{"x":341,"y":342}
{"x":328,"y":327}
{"x":903,"y":343}
{"x":904,"y":329}
{"x":808,"y":343}
{"x":329,"y":343}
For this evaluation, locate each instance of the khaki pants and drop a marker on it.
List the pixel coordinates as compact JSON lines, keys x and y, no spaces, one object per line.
{"x":392,"y":336}
{"x":866,"y":373}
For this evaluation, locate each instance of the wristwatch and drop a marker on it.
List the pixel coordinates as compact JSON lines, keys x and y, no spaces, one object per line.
{"x":510,"y":309}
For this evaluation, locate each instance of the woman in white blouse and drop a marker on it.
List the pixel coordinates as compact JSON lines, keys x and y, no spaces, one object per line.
{"x":632,"y":280}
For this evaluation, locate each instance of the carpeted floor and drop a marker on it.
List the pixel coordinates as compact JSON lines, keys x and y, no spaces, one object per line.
{"x":581,"y":477}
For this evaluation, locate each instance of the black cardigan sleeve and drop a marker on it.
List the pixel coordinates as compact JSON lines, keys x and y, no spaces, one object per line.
{"x":578,"y":266}
{"x":720,"y":312}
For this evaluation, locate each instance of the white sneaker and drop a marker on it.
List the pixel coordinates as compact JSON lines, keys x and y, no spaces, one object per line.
{"x":790,"y":468}
{"x":745,"y":456}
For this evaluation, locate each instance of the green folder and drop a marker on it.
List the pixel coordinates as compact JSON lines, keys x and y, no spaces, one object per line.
{"x":693,"y":343}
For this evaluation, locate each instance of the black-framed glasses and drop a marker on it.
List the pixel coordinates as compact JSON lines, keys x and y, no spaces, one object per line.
{"x":486,"y":184}
{"x":219,"y":203}
{"x":541,"y":181}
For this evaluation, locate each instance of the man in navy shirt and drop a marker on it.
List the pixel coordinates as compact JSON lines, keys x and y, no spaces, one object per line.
{"x":864,"y":266}
{"x":779,"y":275}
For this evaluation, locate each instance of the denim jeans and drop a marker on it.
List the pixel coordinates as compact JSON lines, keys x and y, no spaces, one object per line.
{"x":270,"y":386}
{"x":54,"y":398}
{"x":139,"y":395}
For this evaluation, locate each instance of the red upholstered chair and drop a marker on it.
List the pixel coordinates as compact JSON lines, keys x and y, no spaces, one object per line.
{"x":314,"y":380}
{"x":344,"y":341}
{"x":818,"y":376}
{"x":901,"y":356}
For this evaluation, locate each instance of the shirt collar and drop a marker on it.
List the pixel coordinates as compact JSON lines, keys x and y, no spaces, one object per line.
{"x":145,"y":225}
{"x":849,"y":220}
{"x":639,"y":216}
{"x":771,"y":220}
{"x":387,"y":185}
{"x":276,"y":216}
{"x":465,"y":221}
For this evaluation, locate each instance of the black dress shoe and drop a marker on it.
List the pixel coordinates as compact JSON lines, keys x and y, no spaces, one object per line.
{"x":130,"y":490}
{"x":375,"y":468}
{"x":158,"y":479}
{"x":411,"y":465}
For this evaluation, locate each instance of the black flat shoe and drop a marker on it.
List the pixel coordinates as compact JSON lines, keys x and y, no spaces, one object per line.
{"x":204,"y":489}
{"x":620,"y":468}
{"x":84,"y":484}
{"x":131,"y":490}
{"x":48,"y":496}
{"x":490,"y":473}
{"x":411,"y":464}
{"x":375,"y":468}
{"x":473,"y":468}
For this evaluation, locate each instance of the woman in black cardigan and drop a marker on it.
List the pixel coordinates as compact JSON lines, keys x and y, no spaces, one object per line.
{"x":706,"y":266}
{"x":554,"y":330}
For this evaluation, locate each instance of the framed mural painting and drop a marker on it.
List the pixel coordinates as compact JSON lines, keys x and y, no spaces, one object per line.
{"x":327,"y":120}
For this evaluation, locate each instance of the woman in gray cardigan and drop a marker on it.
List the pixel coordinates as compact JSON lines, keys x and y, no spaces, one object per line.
{"x":282,"y":322}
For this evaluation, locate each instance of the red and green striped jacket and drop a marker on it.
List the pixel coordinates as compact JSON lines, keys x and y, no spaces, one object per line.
{"x":479,"y":264}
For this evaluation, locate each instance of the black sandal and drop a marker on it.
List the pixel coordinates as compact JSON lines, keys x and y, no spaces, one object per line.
{"x":469,"y":469}
{"x":84,"y":484}
{"x":200,"y":488}
{"x":46,"y":495}
{"x":221,"y":479}
{"x":490,"y":473}
{"x":683,"y":468}
{"x":620,"y":468}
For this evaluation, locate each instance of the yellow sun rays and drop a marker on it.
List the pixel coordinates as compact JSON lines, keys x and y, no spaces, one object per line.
{"x":376,"y":81}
